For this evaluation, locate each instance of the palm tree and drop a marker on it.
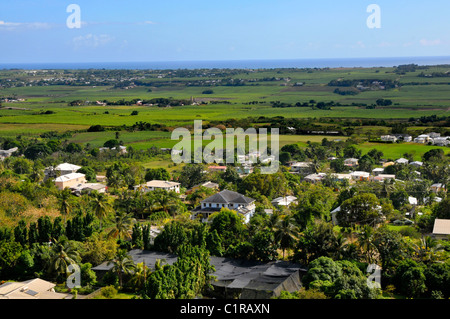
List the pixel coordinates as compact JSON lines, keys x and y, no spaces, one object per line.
{"x":100,"y":206}
{"x":122,"y":264}
{"x":365,"y":242}
{"x":139,"y":276}
{"x":65,"y":205}
{"x":61,"y":256}
{"x":286,"y":233}
{"x":166,"y":201}
{"x":123,"y":224}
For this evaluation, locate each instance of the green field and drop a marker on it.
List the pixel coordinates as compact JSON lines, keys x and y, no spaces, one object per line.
{"x":415,"y":97}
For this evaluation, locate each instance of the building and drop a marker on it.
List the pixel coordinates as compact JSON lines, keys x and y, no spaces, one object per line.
{"x":88,"y":187}
{"x":70,"y":180}
{"x":351,"y":162}
{"x":284,"y":201}
{"x":60,"y":170}
{"x":233,"y":278}
{"x":389,"y":138}
{"x":422,"y":139}
{"x":416,"y":164}
{"x":402,"y":161}
{"x":383,"y":177}
{"x":209,"y":185}
{"x":121,"y":149}
{"x":437,"y":187}
{"x":301,"y":167}
{"x":377,"y":171}
{"x":441,"y":228}
{"x":226,"y":199}
{"x":407,"y":138}
{"x":315,"y":178}
{"x":31,"y":289}
{"x":7,"y":153}
{"x":217,"y":168}
{"x":157,"y":184}
{"x":441,"y":141}
{"x":360,"y":176}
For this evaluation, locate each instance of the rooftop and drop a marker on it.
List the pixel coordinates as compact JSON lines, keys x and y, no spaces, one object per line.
{"x":227,"y":196}
{"x":441,"y":226}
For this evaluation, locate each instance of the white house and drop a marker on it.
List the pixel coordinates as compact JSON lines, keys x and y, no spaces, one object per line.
{"x":389,"y":138}
{"x":377,"y":171}
{"x":402,"y":161}
{"x":60,"y":170}
{"x":158,"y":184}
{"x":226,"y":199}
{"x":360,"y":175}
{"x":284,"y":201}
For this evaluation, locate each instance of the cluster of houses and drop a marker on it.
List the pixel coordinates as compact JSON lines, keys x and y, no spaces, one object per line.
{"x":429,"y":138}
{"x":66,"y":176}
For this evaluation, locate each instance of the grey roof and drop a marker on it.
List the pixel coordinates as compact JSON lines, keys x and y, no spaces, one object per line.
{"x":227,"y":196}
{"x":253,"y":278}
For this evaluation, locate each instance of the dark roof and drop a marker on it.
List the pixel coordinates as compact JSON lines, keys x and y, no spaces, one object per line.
{"x":227,"y":196}
{"x":251,"y":278}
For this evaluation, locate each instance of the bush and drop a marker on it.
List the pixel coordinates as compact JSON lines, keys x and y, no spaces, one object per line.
{"x":108,"y":292}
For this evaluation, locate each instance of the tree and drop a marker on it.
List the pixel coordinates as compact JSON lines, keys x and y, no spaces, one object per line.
{"x":65,"y":202}
{"x":410,"y":278}
{"x":351,"y":152}
{"x":360,"y":209}
{"x":229,"y":225}
{"x":157,"y":174}
{"x":38,"y":150}
{"x":100,"y":206}
{"x":191,"y":175}
{"x":89,"y":173}
{"x":63,"y":253}
{"x":122,"y":264}
{"x":123,"y":224}
{"x":286,"y":233}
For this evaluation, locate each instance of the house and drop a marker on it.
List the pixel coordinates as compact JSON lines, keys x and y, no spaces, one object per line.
{"x":284,"y":201}
{"x":121,"y":149}
{"x":386,"y":164}
{"x":412,"y":200}
{"x":7,"y":153}
{"x":441,"y":228}
{"x":158,"y":184}
{"x":88,"y":187}
{"x":360,"y":176}
{"x":233,"y":278}
{"x":377,"y":171}
{"x":31,"y":289}
{"x":407,"y":138}
{"x":70,"y":180}
{"x":351,"y":162}
{"x":340,"y":177}
{"x":209,"y":185}
{"x":300,"y":167}
{"x":402,"y":161}
{"x":422,"y":139}
{"x":314,"y":178}
{"x":226,"y":199}
{"x":437,"y":187}
{"x":416,"y":164}
{"x":441,"y":141}
{"x":389,"y":138}
{"x":383,"y":177}
{"x":60,"y":170}
{"x":217,"y":168}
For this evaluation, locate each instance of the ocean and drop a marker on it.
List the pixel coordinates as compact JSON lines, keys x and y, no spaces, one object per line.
{"x":236,"y":64}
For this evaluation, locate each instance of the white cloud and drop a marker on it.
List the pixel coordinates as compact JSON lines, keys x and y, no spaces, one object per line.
{"x":427,"y":43}
{"x":92,"y":40}
{"x":24,"y":25}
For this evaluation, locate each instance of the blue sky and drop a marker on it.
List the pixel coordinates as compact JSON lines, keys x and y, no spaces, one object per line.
{"x":180,"y":30}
